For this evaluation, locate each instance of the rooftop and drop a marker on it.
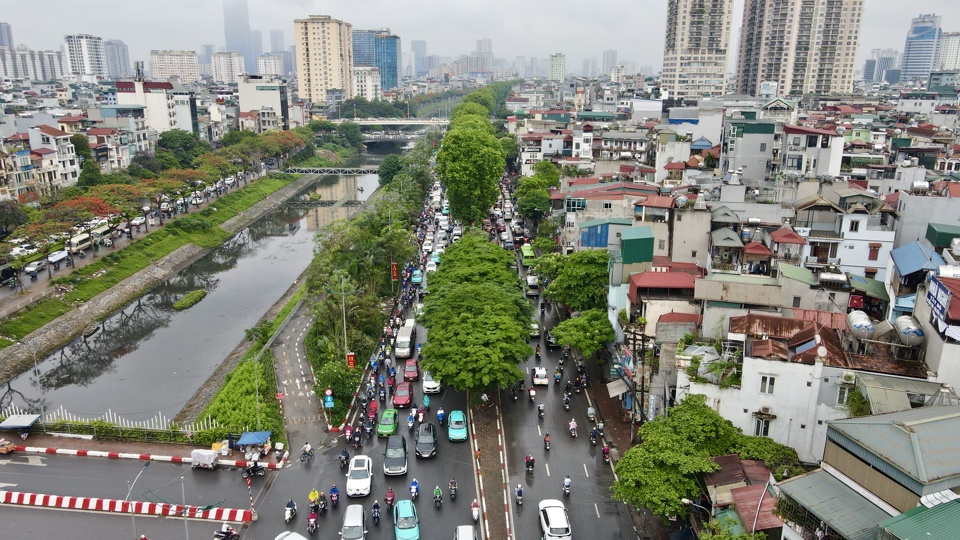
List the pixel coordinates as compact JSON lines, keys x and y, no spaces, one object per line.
{"x":840,"y":507}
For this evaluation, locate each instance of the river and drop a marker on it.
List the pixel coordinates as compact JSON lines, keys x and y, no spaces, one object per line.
{"x":147,"y":360}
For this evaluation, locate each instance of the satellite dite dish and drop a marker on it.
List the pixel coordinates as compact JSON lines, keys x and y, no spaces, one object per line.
{"x":822,"y":351}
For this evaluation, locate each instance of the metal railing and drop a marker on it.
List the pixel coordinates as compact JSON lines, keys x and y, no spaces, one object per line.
{"x":332,"y":170}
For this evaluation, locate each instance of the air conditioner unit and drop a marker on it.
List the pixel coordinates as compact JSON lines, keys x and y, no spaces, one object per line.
{"x":849,"y":377}
{"x":766,"y":410}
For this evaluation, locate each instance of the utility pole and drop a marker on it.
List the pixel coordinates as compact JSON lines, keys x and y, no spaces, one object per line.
{"x":641,"y":355}
{"x":343,"y":292}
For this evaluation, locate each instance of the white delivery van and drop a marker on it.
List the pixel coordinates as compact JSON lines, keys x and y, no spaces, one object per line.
{"x":406,"y":341}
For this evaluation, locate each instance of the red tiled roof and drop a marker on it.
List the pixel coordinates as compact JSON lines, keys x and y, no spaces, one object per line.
{"x":677,"y":317}
{"x":893,"y":199}
{"x":786,"y":235}
{"x":19,"y":137}
{"x":662,"y":280}
{"x":656,"y":201}
{"x":951,"y":188}
{"x":251,"y":114}
{"x":42,"y":151}
{"x":101,"y":131}
{"x":675,"y":166}
{"x":662,"y":261}
{"x":756,"y":248}
{"x":801,"y":130}
{"x":52,"y":131}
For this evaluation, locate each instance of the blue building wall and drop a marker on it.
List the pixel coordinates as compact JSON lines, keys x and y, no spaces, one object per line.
{"x":387,"y":60}
{"x":595,"y":237}
{"x":364,"y":50}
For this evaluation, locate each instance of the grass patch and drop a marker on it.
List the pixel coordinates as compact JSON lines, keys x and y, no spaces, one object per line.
{"x":189,"y":299}
{"x":200,"y":228}
{"x":235,"y":405}
{"x":287,"y":308}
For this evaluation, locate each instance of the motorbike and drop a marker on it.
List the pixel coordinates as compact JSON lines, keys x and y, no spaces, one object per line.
{"x":530,"y":467}
{"x":376,"y":516}
{"x":566,"y":490}
{"x":232,"y":534}
{"x":600,"y":428}
{"x":453,"y":493}
{"x":475,"y":510}
{"x":573,"y":431}
{"x":546,"y":444}
{"x":389,"y":500}
{"x":514,"y":391}
{"x":441,"y":417}
{"x":312,"y":524}
{"x":519,"y":498}
{"x":593,"y":439}
{"x":356,"y":441}
{"x":414,"y":490}
{"x":533,"y":394}
{"x":321,"y":506}
{"x":592,"y":414}
{"x":606,"y":455}
{"x":289,"y":512}
{"x":410,"y":423}
{"x":556,"y":377}
{"x":566,"y":403}
{"x":383,"y":395}
{"x":368,"y":429}
{"x":306,"y":455}
{"x":437,"y":501}
{"x":254,"y":470}
{"x":334,"y":499}
{"x":343,"y":460}
{"x":540,"y":413}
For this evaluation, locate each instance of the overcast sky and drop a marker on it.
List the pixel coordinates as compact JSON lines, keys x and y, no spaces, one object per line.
{"x":634,"y":28}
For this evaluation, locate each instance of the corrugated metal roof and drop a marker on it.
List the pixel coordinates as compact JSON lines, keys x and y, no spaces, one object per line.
{"x":723,"y":214}
{"x":871,"y":287}
{"x":725,"y":237}
{"x":924,"y":523}
{"x":797,"y":273}
{"x":634,"y":233}
{"x":922,"y":443}
{"x":602,"y":221}
{"x":915,"y":257}
{"x":662,"y":280}
{"x":889,"y":394}
{"x":840,"y":507}
{"x":830,"y":319}
{"x":746,"y":499}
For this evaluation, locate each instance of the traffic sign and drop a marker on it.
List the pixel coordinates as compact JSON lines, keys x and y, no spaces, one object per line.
{"x":328,"y":402}
{"x":328,"y":392}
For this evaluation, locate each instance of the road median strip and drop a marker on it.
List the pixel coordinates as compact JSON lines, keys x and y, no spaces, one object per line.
{"x":124,"y":507}
{"x":143,"y":457}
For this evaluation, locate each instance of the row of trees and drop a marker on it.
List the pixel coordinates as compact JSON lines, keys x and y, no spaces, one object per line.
{"x":351,"y":272}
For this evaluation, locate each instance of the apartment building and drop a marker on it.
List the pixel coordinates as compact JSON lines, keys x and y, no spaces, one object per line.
{"x":86,"y":56}
{"x":183,"y":64}
{"x":695,"y":48}
{"x":558,"y":67}
{"x":366,"y":82}
{"x":921,"y":48}
{"x":258,"y":93}
{"x":109,"y":148}
{"x":324,"y":58}
{"x":58,"y":141}
{"x":804,"y":47}
{"x":227,"y":67}
{"x":269,"y":64}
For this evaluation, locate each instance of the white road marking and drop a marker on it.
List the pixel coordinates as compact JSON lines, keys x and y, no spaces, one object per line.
{"x":597,"y":508}
{"x":35,"y":461}
{"x":538,"y":430}
{"x":547,"y":466}
{"x":3,"y":485}
{"x":585,"y":471}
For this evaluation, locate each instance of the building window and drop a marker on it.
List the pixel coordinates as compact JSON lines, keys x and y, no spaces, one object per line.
{"x":607,"y":205}
{"x":761,"y":427}
{"x":843,"y":395}
{"x":874,"y":252}
{"x":693,"y":254}
{"x":763,"y":147}
{"x":796,"y":301}
{"x":661,"y":244}
{"x":766,"y":384}
{"x":854,"y":226}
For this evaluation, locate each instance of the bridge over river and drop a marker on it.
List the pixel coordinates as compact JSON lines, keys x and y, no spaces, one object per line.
{"x":347,"y":171}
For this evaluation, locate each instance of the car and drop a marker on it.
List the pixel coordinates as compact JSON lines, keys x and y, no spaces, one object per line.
{"x":438,"y":251}
{"x":431,"y":266}
{"x":458,"y":231}
{"x":401,"y":396}
{"x":539,"y":376}
{"x":535,"y":329}
{"x":428,"y":246}
{"x":457,"y":426}
{"x":418,"y":309}
{"x":359,"y":476}
{"x":411,"y":370}
{"x":417,"y":277}
{"x":290,"y":535}
{"x":430,"y":385}
{"x":435,"y":256}
{"x":23,"y":251}
{"x":554,"y":520}
{"x":388,"y":423}
{"x":35,"y":266}
{"x":354,"y":523}
{"x":426,"y":441}
{"x":552,"y":342}
{"x":509,"y":246}
{"x":395,"y":456}
{"x":406,"y":524}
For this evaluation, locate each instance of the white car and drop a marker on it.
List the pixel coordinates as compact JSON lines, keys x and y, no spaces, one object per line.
{"x":540,"y":376}
{"x":440,"y":249}
{"x":428,"y":246}
{"x":554,"y":520}
{"x":360,"y":476}
{"x":137,"y":221}
{"x":418,"y":309}
{"x":430,"y":385}
{"x":431,"y":266}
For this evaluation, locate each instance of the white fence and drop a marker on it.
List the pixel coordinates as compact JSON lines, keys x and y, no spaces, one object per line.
{"x":158,"y":422}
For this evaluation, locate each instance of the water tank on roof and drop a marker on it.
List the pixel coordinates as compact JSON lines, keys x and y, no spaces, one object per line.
{"x":754,"y":221}
{"x":830,"y":278}
{"x":920,"y":186}
{"x":745,"y":234}
{"x":955,"y":247}
{"x":908,"y":330}
{"x":682,"y":201}
{"x":860,"y":324}
{"x":915,"y":161}
{"x":948,"y":271}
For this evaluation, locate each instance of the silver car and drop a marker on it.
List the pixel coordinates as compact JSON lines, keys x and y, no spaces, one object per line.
{"x":354,"y":523}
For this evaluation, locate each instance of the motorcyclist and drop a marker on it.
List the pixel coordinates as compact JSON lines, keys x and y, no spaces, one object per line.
{"x":593,"y":433}
{"x":389,"y":498}
{"x":566,"y":482}
{"x":606,"y":452}
{"x":529,"y":461}
{"x":334,"y":492}
{"x":538,"y":352}
{"x":228,"y":530}
{"x":344,"y":456}
{"x":441,"y":415}
{"x":291,"y":504}
{"x":540,"y":408}
{"x":453,"y":484}
{"x":437,"y":492}
{"x":519,"y":491}
{"x":321,"y":501}
{"x":415,"y":486}
{"x":307,"y":448}
{"x":312,"y":517}
{"x":546,"y":439}
{"x":573,"y":426}
{"x":314,"y":498}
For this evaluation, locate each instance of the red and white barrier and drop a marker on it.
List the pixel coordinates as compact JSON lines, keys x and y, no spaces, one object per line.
{"x":123,"y":507}
{"x":140,"y":457}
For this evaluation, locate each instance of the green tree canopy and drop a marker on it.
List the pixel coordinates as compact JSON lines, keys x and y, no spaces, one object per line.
{"x":589,"y":332}
{"x":12,"y":215}
{"x":184,"y":146}
{"x":81,"y":145}
{"x":581,"y":284}
{"x":237,"y":136}
{"x":548,"y":171}
{"x":350,"y":132}
{"x":470,"y":165}
{"x":469,"y":109}
{"x":389,"y":167}
{"x":484,"y":99}
{"x":472,"y":122}
{"x":534,"y":205}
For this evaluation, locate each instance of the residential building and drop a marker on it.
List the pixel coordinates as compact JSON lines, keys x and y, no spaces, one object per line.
{"x":181,"y":64}
{"x":883,"y":60}
{"x":258,"y":121}
{"x":58,"y":141}
{"x":86,"y":56}
{"x":805,"y":49}
{"x":257,"y":93}
{"x":24,"y":63}
{"x":609,"y":61}
{"x":131,"y":121}
{"x":277,"y":41}
{"x":809,"y":151}
{"x":159,"y":102}
{"x":118,"y":59}
{"x":6,"y":36}
{"x":324,"y":58}
{"x":228,"y":67}
{"x":239,"y":37}
{"x":558,"y":67}
{"x":17,"y":176}
{"x":109,"y":148}
{"x":695,"y":48}
{"x":749,"y":147}
{"x":419,"y":48}
{"x":366,"y":83}
{"x":921,"y":48}
{"x":269,"y":64}
{"x":948,"y":57}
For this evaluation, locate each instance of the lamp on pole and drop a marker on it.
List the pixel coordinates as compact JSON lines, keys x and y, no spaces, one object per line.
{"x":688,"y":502}
{"x":183,"y":496}
{"x":133,"y":515}
{"x":43,"y":392}
{"x":343,"y":292}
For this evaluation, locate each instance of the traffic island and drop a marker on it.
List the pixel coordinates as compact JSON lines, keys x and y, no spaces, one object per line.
{"x":490,"y":463}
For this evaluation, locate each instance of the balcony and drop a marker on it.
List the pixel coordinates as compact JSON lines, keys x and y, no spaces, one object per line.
{"x":821,"y":261}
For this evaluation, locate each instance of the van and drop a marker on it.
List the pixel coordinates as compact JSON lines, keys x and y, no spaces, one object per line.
{"x":465,"y":532}
{"x":533,"y":285}
{"x":78,"y":243}
{"x":406,"y":340}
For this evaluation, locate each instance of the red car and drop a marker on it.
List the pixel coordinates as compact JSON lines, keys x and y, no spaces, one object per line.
{"x":411,"y":371}
{"x":401,"y":396}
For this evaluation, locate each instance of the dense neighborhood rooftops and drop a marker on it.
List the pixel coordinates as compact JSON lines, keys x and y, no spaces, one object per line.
{"x":939,"y":521}
{"x":794,"y":340}
{"x":915,"y":257}
{"x":798,"y":273}
{"x":725,"y":237}
{"x":655,"y":201}
{"x":662,"y":280}
{"x":51,"y":131}
{"x":803,"y":130}
{"x":844,"y":510}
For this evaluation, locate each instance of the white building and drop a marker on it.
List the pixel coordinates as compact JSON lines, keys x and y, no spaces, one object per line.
{"x":227,"y":67}
{"x":810,"y":150}
{"x":695,"y":48}
{"x":558,"y":67}
{"x":158,"y":100}
{"x":949,"y":55}
{"x":57,"y":140}
{"x":182,"y":64}
{"x":86,"y":56}
{"x":324,"y":48}
{"x":366,"y":82}
{"x":269,"y":64}
{"x":258,"y":93}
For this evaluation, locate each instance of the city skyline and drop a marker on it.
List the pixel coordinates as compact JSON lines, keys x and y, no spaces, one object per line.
{"x":884,"y":21}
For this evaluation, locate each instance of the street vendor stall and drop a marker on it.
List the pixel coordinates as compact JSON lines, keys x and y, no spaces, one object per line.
{"x":255,"y":444}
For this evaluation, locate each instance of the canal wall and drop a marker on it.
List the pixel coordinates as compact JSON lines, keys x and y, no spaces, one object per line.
{"x":37,"y":345}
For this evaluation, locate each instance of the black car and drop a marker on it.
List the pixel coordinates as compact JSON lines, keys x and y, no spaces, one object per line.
{"x":552,"y":340}
{"x":427,"y":441}
{"x":395,"y":456}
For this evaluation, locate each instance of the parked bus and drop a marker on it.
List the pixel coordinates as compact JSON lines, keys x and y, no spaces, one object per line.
{"x":78,"y":243}
{"x":526,"y":254}
{"x":100,"y":233}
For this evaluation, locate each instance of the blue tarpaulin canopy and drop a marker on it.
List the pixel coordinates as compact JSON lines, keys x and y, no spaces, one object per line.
{"x":254,"y":437}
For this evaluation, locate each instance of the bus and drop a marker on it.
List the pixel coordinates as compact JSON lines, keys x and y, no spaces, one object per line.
{"x":78,"y":243}
{"x":526,"y":254}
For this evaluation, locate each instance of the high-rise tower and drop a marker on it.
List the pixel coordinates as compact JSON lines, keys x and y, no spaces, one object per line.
{"x":695,"y":47}
{"x":237,"y":34}
{"x":85,"y":55}
{"x":921,"y":48}
{"x":324,"y":58}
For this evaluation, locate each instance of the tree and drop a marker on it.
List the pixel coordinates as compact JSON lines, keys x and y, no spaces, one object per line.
{"x":81,"y":146}
{"x":483,"y":99}
{"x":544,"y":244}
{"x":589,"y":332}
{"x":322,"y":126}
{"x":582,"y":283}
{"x":146,"y":161}
{"x":11,"y":215}
{"x":470,"y":164}
{"x":676,"y":449}
{"x":549,"y":266}
{"x":534,"y":205}
{"x":350,"y":132}
{"x":724,"y":530}
{"x":237,"y":136}
{"x":389,"y":167}
{"x":548,"y":171}
{"x":89,"y":174}
{"x":472,"y":122}
{"x":469,"y":109}
{"x":184,"y":145}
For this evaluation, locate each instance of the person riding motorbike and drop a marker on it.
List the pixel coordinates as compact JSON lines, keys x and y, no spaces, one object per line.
{"x":593,"y":434}
{"x":546,"y":440}
{"x":453,"y":488}
{"x":573,"y":428}
{"x":307,"y":448}
{"x":389,"y":498}
{"x":344,"y":457}
{"x":437,"y":492}
{"x":334,"y":492}
{"x":566,"y":482}
{"x":414,"y":487}
{"x":314,"y":499}
{"x":519,"y":492}
{"x":441,"y":416}
{"x":540,"y":409}
{"x":538,"y":352}
{"x":529,"y":462}
{"x":227,"y":529}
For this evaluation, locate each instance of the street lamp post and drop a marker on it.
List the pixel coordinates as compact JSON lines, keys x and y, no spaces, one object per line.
{"x":183,"y":496}
{"x":43,"y":392}
{"x":343,"y":292}
{"x":133,"y":515}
